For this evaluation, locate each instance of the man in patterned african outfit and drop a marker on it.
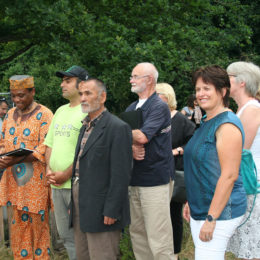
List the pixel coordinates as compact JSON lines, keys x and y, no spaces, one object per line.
{"x":23,"y":185}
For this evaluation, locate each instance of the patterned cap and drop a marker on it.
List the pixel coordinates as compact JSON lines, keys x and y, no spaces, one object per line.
{"x":21,"y":82}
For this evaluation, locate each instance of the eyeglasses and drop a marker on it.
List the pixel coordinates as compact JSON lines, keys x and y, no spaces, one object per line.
{"x":138,"y":77}
{"x":232,"y":75}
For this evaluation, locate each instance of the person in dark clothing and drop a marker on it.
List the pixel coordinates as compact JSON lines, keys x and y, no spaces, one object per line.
{"x":3,"y":111}
{"x":153,"y":170}
{"x":100,"y":177}
{"x":197,"y":115}
{"x":182,"y":130}
{"x":188,"y":110}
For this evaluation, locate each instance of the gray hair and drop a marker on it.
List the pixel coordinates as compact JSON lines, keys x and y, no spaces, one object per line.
{"x":150,"y":69}
{"x":99,"y":84}
{"x":248,"y":73}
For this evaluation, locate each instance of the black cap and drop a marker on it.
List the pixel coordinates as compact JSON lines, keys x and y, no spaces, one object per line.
{"x":74,"y":71}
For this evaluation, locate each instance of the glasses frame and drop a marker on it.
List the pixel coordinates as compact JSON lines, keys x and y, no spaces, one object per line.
{"x":138,"y":77}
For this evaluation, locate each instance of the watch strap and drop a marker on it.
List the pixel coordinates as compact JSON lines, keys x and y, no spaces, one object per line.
{"x":210,"y":218}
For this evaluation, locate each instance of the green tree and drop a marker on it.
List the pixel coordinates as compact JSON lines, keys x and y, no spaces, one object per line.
{"x":109,"y":37}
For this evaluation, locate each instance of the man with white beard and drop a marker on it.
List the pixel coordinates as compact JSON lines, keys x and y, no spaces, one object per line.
{"x":151,"y":183}
{"x":101,"y":174}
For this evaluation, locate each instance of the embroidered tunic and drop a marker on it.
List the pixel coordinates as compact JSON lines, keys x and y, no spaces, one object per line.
{"x":23,"y":184}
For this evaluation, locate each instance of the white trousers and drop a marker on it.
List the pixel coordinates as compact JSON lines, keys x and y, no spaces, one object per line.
{"x":151,"y":229}
{"x":215,"y":248}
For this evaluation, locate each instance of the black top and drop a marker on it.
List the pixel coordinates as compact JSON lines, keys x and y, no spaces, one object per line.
{"x":182,"y":130}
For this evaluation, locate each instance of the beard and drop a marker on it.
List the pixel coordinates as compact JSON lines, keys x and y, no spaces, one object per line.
{"x":89,"y":108}
{"x":138,"y":88}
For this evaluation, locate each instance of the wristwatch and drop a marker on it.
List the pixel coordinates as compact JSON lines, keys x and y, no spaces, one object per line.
{"x":210,"y":218}
{"x":179,"y":150}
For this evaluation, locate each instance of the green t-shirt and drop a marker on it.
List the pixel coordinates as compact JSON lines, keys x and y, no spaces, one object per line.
{"x":62,"y":138}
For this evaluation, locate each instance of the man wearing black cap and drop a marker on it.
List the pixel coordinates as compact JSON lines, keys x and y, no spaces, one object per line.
{"x":61,"y":141}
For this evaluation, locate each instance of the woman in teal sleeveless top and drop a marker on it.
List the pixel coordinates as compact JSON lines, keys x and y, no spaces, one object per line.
{"x":215,"y":193}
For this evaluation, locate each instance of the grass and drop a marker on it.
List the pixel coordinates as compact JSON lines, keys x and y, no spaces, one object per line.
{"x":126,"y":252}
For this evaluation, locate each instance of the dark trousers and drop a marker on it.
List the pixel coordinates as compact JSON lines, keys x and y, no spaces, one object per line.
{"x":177,"y":225}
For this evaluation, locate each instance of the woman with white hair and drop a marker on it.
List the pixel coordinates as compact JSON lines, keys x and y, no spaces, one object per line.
{"x":245,"y":82}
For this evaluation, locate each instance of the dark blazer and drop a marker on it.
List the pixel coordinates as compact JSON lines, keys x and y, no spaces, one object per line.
{"x":104,"y":171}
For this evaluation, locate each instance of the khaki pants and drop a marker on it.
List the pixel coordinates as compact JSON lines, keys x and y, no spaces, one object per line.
{"x":93,"y":246}
{"x":151,"y":228}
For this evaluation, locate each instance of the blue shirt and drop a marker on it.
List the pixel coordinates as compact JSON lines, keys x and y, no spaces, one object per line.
{"x":202,"y":170}
{"x":158,"y":165}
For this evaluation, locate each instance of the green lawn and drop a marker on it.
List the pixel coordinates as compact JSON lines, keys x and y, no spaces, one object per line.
{"x":125,"y":248}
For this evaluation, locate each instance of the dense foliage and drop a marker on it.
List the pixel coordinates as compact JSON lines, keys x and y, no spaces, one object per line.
{"x":109,"y":37}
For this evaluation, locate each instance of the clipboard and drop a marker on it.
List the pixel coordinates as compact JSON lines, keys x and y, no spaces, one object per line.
{"x":134,"y":118}
{"x":18,"y":152}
